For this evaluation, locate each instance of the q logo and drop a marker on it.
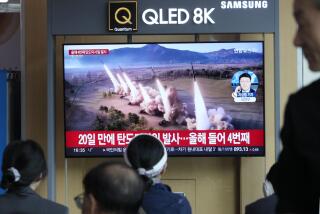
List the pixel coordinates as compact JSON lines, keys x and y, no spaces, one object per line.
{"x":122,"y":16}
{"x":126,"y":19}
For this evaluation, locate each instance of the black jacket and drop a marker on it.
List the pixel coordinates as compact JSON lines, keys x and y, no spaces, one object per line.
{"x":265,"y":205}
{"x":26,"y":201}
{"x":160,"y":200}
{"x":296,"y":175}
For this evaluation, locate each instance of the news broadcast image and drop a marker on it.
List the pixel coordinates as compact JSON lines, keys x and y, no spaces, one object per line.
{"x":182,"y":93}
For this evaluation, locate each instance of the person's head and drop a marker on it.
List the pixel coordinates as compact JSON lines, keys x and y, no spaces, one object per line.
{"x":147,"y":155}
{"x":23,"y":164}
{"x":245,"y":81}
{"x":112,"y":188}
{"x":307,"y":15}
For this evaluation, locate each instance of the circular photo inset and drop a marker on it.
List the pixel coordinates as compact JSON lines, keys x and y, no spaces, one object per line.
{"x":246,"y":80}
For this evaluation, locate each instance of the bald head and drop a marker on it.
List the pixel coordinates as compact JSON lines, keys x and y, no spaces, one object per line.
{"x":115,"y":187}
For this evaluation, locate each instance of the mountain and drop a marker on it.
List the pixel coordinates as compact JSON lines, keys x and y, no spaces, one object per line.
{"x":230,"y":56}
{"x":221,"y":53}
{"x":154,"y":54}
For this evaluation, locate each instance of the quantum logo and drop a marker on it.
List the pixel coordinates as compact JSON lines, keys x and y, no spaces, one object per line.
{"x":124,"y":19}
{"x":122,"y":16}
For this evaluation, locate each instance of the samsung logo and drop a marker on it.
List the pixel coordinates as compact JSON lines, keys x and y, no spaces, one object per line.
{"x":262,"y":4}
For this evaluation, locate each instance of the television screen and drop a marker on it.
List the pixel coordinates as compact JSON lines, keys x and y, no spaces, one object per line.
{"x":200,"y":99}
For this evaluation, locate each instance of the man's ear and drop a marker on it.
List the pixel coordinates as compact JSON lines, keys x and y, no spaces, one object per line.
{"x":93,"y":204}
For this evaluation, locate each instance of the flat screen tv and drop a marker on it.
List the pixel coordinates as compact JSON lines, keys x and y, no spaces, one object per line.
{"x":200,"y":99}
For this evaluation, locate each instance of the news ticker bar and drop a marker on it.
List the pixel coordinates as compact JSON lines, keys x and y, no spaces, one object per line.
{"x":173,"y":151}
{"x":170,"y":138}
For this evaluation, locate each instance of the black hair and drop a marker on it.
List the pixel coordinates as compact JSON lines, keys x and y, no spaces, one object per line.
{"x":145,"y":151}
{"x":245,"y":75}
{"x":28,"y":158}
{"x":116,"y":187}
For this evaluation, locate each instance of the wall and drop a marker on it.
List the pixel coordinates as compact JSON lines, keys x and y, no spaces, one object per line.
{"x":34,"y":75}
{"x":288,"y":54}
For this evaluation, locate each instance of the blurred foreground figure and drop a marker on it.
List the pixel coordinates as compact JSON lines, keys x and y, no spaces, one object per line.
{"x":296,"y":175}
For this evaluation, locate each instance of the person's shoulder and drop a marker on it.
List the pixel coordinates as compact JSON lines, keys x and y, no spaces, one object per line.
{"x":263,"y":205}
{"x":54,"y":207}
{"x":3,"y":198}
{"x":306,"y":97}
{"x":309,"y":90}
{"x":162,"y":195}
{"x":182,"y":204}
{"x":31,"y":202}
{"x":180,"y":200}
{"x":7,"y":197}
{"x":5,"y":203}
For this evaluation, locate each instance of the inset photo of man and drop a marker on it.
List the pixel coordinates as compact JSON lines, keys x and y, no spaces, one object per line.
{"x":244,"y":85}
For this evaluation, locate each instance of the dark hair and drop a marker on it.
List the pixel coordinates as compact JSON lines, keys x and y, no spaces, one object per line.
{"x":116,"y":187}
{"x":145,"y":151}
{"x":28,"y":158}
{"x":245,"y":75}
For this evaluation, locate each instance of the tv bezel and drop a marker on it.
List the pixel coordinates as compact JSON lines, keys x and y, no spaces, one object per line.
{"x":117,"y":155}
